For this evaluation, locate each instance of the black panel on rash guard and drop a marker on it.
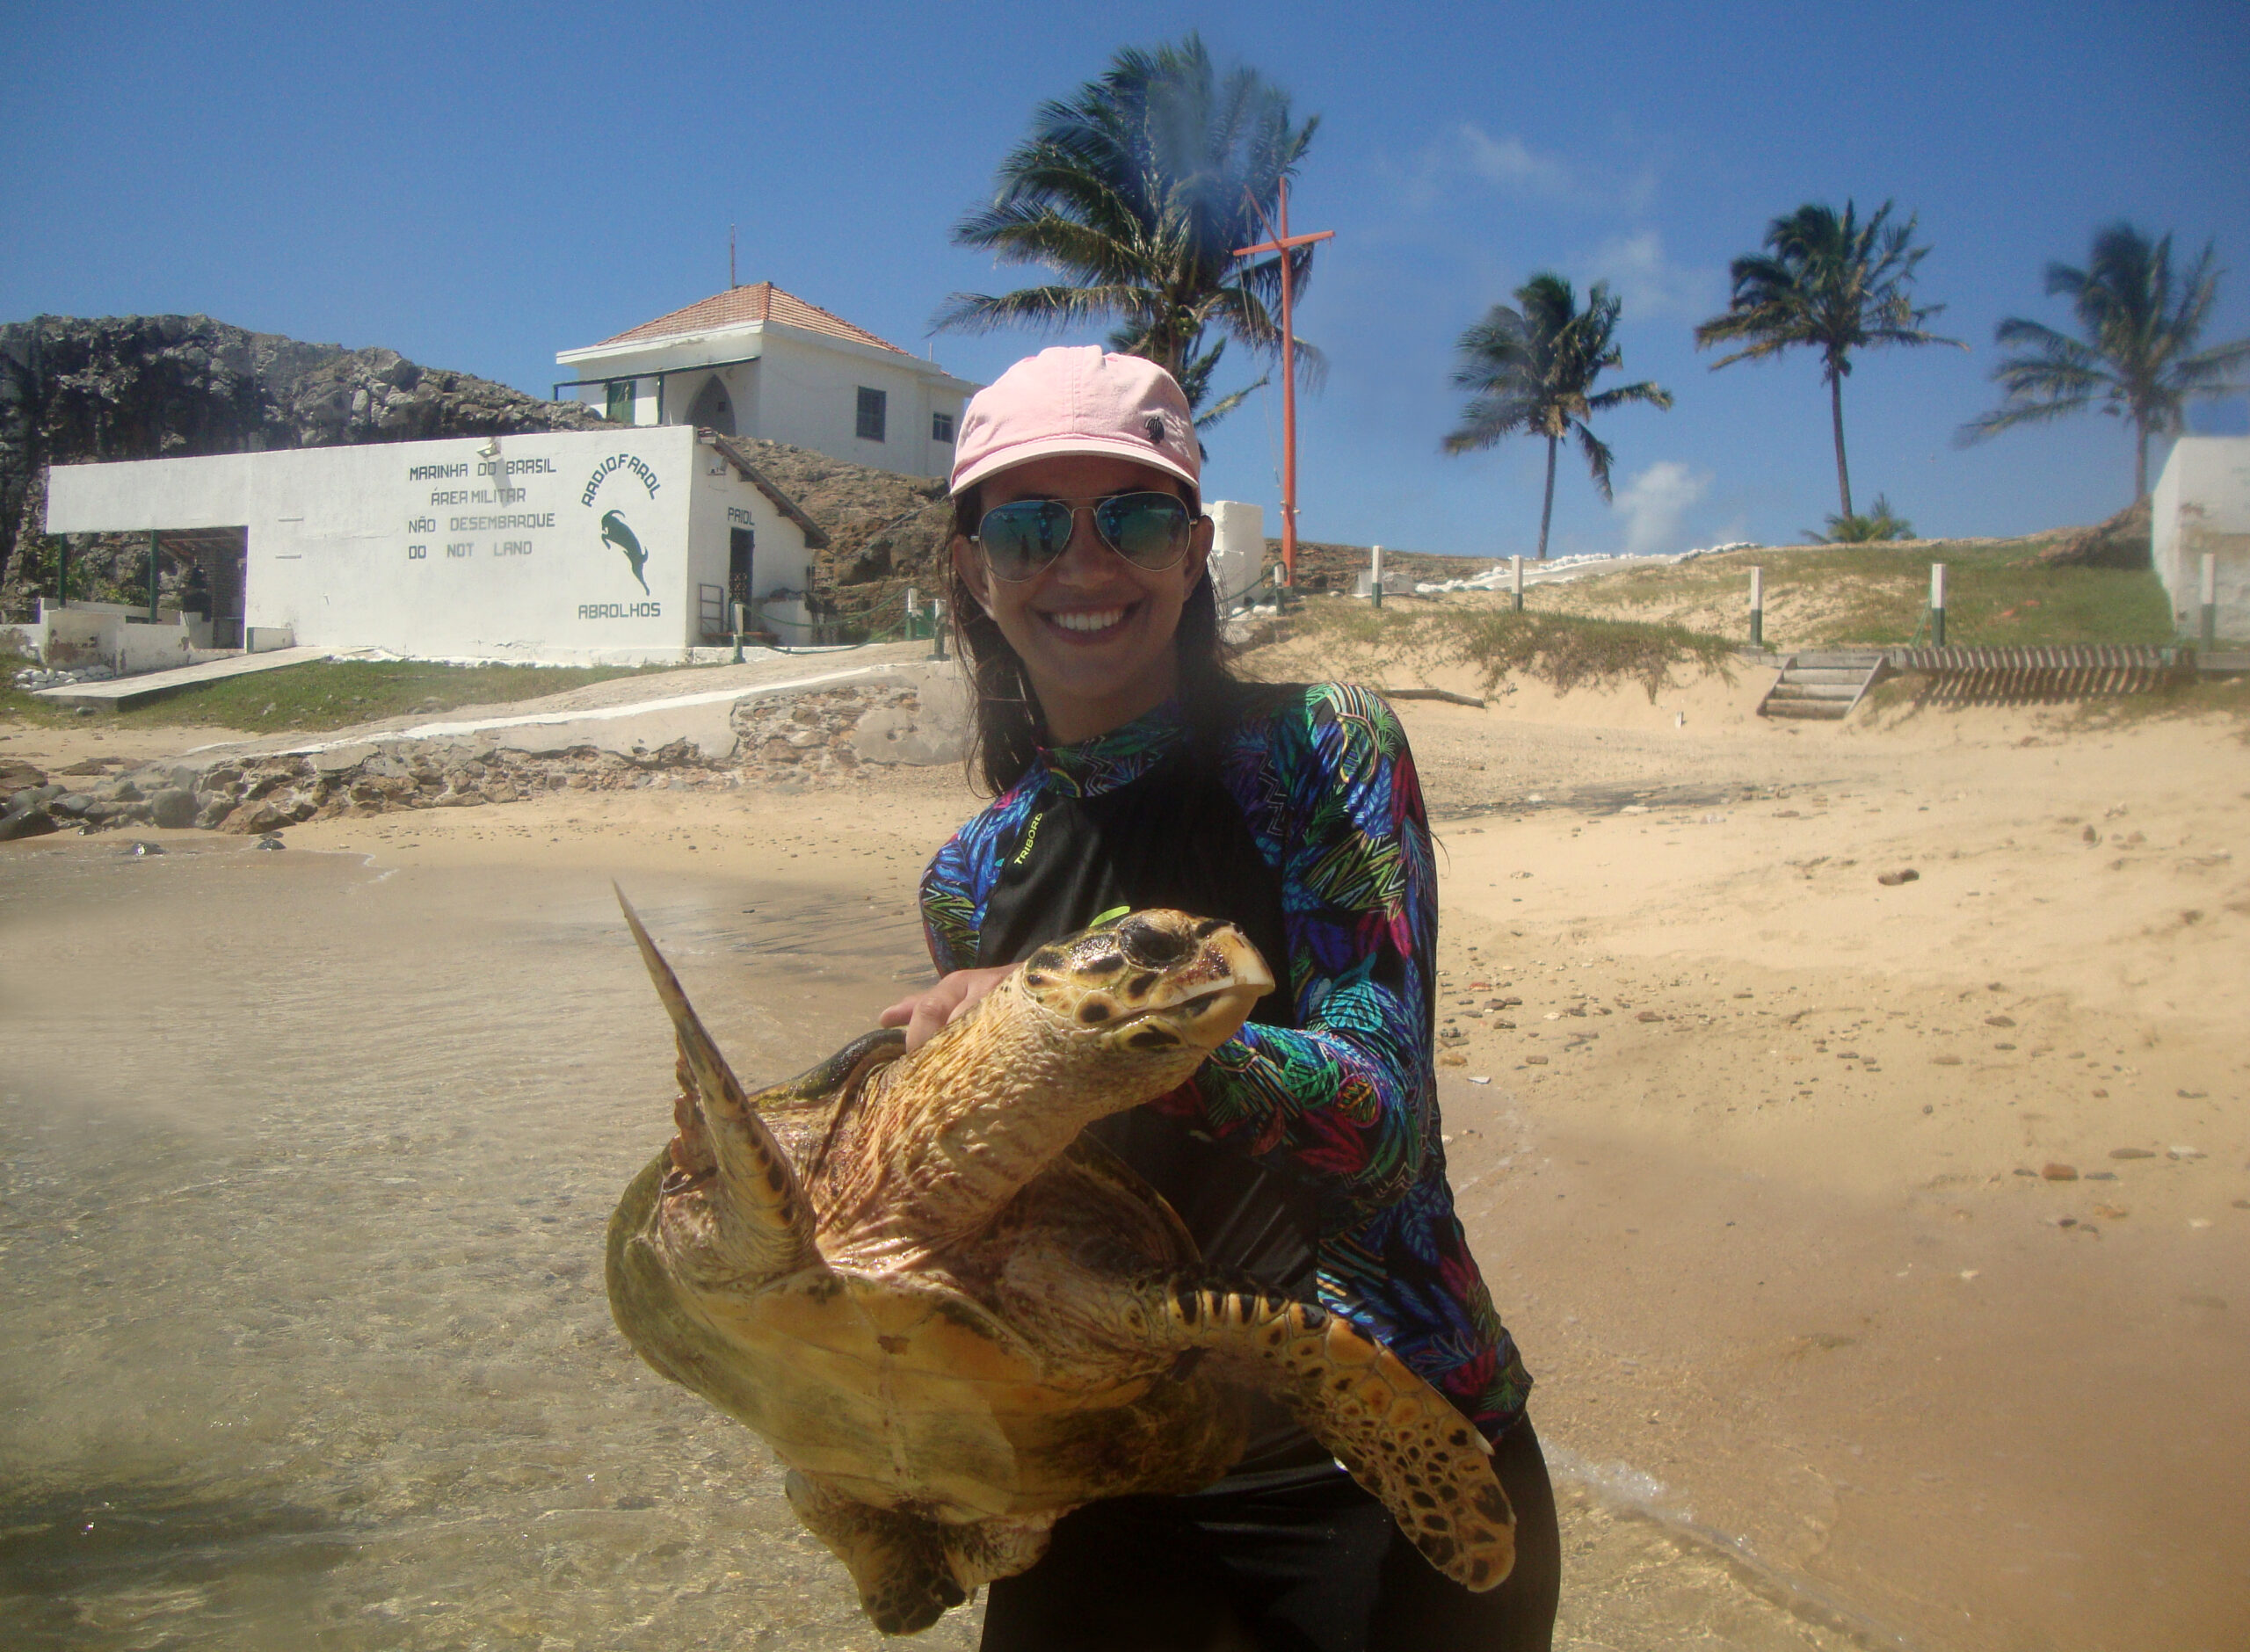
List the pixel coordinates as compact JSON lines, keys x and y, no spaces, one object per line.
{"x":1175,"y":839}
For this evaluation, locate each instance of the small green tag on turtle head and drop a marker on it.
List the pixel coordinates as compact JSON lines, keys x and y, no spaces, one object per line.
{"x":1110,"y":916}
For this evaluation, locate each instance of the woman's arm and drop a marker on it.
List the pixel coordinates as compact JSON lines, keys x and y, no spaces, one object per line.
{"x":1334,"y":803}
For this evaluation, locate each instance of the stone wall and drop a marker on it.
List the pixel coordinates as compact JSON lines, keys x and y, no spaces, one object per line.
{"x":830,"y":737}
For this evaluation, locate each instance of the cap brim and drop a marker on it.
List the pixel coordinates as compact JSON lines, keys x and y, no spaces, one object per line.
{"x":1059,"y":446}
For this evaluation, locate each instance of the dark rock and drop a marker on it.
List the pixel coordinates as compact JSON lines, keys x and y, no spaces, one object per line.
{"x":2059,"y":1172}
{"x":1905,"y":874}
{"x":2131,"y":1153}
{"x":33,"y":821}
{"x":73,"y":804}
{"x":270,"y":842}
{"x":172,"y":808}
{"x":139,"y":849}
{"x":16,"y":775}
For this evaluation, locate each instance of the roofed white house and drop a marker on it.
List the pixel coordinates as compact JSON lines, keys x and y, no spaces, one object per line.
{"x":758,"y":361}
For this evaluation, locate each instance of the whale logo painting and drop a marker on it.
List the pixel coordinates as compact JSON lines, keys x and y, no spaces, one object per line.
{"x":614,"y":531}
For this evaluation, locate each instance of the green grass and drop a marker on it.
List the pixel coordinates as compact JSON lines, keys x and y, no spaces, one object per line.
{"x":1996,"y":595}
{"x":325,"y":694}
{"x":1565,"y":651}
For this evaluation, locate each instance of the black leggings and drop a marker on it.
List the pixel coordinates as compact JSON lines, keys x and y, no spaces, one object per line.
{"x":1305,"y":1569}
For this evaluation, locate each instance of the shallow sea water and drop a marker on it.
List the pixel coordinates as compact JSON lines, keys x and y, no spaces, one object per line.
{"x":304,"y":1341}
{"x":304,"y":1166}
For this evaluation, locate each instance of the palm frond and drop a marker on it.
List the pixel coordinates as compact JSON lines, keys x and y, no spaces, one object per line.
{"x":1138,"y":187}
{"x":2136,"y":357}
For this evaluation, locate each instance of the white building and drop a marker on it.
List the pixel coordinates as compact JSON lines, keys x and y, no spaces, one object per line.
{"x":2201,"y":504}
{"x":758,"y":361}
{"x":577,"y":547}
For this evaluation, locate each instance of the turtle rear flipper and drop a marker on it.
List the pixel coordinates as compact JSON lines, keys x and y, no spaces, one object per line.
{"x":910,"y":1569}
{"x":1398,"y":1435}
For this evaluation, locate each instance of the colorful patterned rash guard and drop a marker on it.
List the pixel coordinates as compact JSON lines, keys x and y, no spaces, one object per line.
{"x":1304,"y":824}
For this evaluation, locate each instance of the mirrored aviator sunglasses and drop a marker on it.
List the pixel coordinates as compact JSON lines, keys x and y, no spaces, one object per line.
{"x":1149,"y":530}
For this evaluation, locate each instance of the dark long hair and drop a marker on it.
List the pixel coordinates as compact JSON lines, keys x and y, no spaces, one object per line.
{"x":1005,"y":726}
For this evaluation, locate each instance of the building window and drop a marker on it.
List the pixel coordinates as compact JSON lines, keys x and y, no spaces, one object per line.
{"x":872,"y":407}
{"x":621,"y":400}
{"x":941,"y":427}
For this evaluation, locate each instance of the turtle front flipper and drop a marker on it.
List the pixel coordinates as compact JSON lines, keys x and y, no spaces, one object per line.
{"x":1398,"y":1435}
{"x":763,"y":1225}
{"x":910,"y":1570}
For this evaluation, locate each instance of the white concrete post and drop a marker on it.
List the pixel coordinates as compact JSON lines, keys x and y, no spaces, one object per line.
{"x":1937,"y":605}
{"x":1757,"y":607}
{"x":1374,"y":567}
{"x":2211,"y":601}
{"x":1518,"y":560}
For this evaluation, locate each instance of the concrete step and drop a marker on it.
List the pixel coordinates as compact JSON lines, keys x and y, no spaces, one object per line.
{"x":1788,"y":690}
{"x":1824,"y":710}
{"x":1860,"y":660}
{"x":1854,"y":676}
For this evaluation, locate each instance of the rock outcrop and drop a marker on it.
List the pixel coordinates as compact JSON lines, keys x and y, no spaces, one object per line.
{"x":2123,"y":542}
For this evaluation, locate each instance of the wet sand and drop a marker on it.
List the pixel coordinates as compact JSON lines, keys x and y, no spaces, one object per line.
{"x":1821,"y":1366}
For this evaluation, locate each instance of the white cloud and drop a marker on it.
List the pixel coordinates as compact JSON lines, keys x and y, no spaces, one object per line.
{"x":1638,"y":271}
{"x":1655,"y":503}
{"x":1509,"y":162}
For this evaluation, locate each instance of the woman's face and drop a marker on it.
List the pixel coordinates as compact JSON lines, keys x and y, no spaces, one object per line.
{"x":1094,"y":631}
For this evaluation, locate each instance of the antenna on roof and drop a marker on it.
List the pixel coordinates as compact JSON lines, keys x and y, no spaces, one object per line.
{"x":731,"y":282}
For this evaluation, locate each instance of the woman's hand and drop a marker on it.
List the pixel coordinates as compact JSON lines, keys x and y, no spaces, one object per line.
{"x":926,"y":1013}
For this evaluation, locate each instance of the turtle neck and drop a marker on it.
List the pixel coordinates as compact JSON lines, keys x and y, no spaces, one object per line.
{"x":1122,"y":755}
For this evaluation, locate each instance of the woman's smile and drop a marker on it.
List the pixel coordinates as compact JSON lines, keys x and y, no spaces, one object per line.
{"x":1093,"y":630}
{"x":1091,"y":624}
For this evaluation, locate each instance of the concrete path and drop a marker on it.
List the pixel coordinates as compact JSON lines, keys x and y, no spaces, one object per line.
{"x":121,"y":692}
{"x":643,"y":711}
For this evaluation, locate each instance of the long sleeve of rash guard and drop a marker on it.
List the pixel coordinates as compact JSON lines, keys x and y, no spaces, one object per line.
{"x":1329,"y":788}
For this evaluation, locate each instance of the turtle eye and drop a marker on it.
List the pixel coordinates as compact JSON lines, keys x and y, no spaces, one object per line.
{"x":1151,"y":947}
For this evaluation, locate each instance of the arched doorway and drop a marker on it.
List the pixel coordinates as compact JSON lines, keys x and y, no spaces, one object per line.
{"x":713,"y":410}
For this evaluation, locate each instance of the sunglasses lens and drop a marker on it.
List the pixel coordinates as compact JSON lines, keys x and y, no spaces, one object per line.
{"x":1022,"y":538}
{"x":1145,"y":528}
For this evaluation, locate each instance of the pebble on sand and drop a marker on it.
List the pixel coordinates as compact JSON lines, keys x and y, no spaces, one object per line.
{"x":1891,"y":880}
{"x":2059,"y":1172}
{"x":2131,"y":1153}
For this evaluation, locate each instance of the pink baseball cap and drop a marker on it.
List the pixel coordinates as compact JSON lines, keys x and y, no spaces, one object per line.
{"x":1078,"y":401}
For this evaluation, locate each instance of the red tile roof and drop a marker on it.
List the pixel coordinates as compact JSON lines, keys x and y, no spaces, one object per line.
{"x":738,"y":305}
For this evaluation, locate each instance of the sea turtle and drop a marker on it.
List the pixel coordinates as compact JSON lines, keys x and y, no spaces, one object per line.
{"x":954,"y":1319}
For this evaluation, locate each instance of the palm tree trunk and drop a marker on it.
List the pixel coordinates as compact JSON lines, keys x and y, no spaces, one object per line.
{"x":1836,"y":413}
{"x":2140,"y":461}
{"x":1547,"y":509}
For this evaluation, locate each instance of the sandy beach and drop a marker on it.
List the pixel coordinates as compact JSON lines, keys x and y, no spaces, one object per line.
{"x":1878,"y":1245}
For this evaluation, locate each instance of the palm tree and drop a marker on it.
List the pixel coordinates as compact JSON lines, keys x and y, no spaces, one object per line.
{"x":2138,"y":357}
{"x":1828,"y":282}
{"x":1138,"y":190}
{"x":1531,"y":371}
{"x":1882,"y":523}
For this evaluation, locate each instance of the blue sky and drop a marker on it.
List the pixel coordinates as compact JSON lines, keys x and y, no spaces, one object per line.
{"x":479,"y":187}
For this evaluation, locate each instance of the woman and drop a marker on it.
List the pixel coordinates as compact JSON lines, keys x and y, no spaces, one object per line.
{"x":1132,"y":771}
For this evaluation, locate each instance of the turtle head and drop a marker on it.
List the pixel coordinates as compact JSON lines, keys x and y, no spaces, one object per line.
{"x":1152,"y":983}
